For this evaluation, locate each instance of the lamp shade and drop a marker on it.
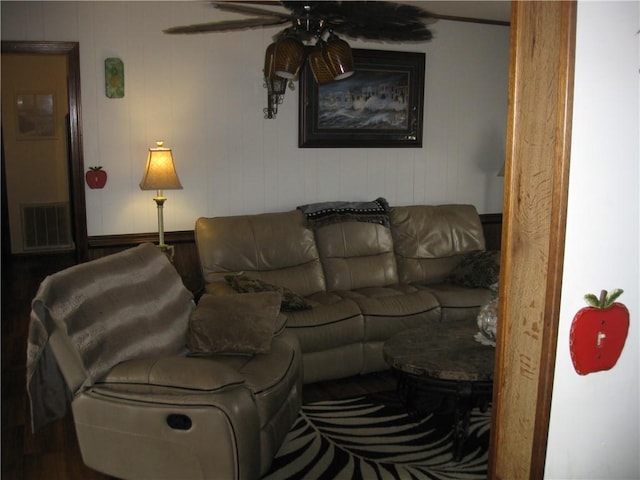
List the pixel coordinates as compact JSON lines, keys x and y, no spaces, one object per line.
{"x":321,"y":71}
{"x":160,"y":172}
{"x":289,"y":56}
{"x":339,"y":58}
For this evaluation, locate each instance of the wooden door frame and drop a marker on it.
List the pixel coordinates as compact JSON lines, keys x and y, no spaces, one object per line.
{"x":76,"y":161}
{"x":542,"y":57}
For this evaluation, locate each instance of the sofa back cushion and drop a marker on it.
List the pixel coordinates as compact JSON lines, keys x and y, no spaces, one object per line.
{"x":277,"y":248}
{"x":429,"y":241}
{"x":356,"y":255}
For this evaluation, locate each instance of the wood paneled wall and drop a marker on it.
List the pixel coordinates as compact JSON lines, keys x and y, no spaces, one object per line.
{"x":186,"y":258}
{"x":492,"y":228}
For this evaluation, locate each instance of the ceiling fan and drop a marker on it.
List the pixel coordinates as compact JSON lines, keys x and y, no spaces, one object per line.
{"x":372,"y":20}
{"x":318,"y":23}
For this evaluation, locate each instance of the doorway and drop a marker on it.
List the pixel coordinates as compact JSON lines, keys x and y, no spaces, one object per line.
{"x":43,"y":208}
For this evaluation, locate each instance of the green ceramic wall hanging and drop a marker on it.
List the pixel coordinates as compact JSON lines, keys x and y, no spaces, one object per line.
{"x":114,"y":77}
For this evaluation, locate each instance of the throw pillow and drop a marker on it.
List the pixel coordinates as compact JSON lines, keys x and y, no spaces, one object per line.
{"x":479,"y":269}
{"x":234,"y":323}
{"x":291,"y":301}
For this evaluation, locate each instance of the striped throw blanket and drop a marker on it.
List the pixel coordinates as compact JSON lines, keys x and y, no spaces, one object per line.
{"x":327,"y":213}
{"x":129,"y":305}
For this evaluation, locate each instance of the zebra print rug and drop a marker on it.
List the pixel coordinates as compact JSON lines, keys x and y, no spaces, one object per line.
{"x":373,"y":437}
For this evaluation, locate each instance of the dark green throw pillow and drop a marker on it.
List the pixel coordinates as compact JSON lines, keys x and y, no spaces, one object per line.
{"x":291,"y":301}
{"x":479,"y":269}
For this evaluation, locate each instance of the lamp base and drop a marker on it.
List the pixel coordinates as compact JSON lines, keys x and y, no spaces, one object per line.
{"x":168,"y":250}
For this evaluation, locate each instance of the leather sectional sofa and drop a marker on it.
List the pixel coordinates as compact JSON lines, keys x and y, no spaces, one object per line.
{"x":364,"y":280}
{"x":154,"y":391}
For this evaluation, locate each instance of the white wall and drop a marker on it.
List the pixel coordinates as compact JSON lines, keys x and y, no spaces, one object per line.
{"x":595,"y":419}
{"x":203,"y":95}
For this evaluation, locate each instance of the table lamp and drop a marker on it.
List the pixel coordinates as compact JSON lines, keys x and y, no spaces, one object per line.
{"x":160,"y":174}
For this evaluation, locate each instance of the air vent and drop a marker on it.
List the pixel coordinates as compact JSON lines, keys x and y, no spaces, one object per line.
{"x":46,"y":226}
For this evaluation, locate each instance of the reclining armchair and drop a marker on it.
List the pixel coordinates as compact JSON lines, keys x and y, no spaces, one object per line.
{"x":110,"y":337}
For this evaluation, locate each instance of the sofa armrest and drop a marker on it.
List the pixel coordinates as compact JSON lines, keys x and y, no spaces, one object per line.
{"x":197,"y":374}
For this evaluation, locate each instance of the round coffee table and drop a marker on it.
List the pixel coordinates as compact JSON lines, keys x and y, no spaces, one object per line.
{"x":441,"y":367}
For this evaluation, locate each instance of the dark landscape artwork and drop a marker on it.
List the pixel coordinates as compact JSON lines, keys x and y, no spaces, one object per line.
{"x":366,"y":100}
{"x":380,"y":105}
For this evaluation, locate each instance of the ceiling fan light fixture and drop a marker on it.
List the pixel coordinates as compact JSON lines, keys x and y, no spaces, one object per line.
{"x":289,"y":56}
{"x":339,"y":58}
{"x":321,"y":71}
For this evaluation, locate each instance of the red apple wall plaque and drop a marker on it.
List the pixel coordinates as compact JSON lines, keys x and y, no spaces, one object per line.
{"x":96,"y":177}
{"x":598,"y":333}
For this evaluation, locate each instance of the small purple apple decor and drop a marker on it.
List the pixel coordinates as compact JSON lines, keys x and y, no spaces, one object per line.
{"x":96,"y":177}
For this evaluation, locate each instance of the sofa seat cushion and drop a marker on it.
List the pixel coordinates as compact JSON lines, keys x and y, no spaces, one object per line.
{"x":290,"y":300}
{"x":331,"y":322}
{"x":458,"y":302}
{"x":177,"y":375}
{"x":389,"y":310}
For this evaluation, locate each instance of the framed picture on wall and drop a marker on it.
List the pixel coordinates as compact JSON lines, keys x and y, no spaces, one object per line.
{"x":35,"y":116}
{"x":380,"y":105}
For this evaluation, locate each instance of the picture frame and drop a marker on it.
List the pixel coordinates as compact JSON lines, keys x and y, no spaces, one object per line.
{"x":35,"y":116}
{"x":114,"y":78}
{"x":380,"y":105}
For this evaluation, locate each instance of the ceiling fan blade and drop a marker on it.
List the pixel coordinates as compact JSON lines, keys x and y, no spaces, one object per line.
{"x":239,"y":8}
{"x":227,"y":25}
{"x":376,"y":20}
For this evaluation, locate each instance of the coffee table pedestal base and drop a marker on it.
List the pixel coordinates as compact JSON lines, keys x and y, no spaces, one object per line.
{"x":423,"y":395}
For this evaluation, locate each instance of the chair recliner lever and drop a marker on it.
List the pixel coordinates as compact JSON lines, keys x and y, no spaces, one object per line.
{"x":179,"y":421}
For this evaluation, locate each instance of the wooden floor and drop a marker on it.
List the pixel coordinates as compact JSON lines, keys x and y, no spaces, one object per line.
{"x":52,"y":453}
